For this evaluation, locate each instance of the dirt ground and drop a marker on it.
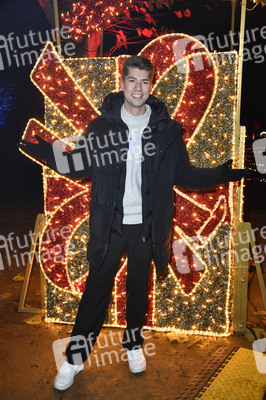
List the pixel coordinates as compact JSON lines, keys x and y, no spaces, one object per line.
{"x":27,"y":362}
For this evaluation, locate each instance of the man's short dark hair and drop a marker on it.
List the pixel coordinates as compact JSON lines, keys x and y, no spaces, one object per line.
{"x":137,"y":62}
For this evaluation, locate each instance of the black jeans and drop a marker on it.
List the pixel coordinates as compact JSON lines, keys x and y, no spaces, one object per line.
{"x":96,"y":297}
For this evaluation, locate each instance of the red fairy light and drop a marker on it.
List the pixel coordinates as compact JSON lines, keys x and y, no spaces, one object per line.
{"x":149,"y":19}
{"x":127,"y":13}
{"x":147,"y":32}
{"x":187,"y":13}
{"x":61,"y":90}
{"x":88,"y":16}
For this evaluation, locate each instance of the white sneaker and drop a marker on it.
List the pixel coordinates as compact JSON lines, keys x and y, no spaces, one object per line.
{"x":65,"y":376}
{"x":136,"y":361}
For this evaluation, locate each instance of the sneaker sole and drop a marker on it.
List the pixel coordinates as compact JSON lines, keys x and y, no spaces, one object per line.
{"x":136,"y":372}
{"x":64,"y":387}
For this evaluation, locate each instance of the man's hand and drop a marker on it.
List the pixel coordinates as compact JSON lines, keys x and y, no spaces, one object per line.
{"x":233,"y":175}
{"x":45,"y":151}
{"x":42,"y":149}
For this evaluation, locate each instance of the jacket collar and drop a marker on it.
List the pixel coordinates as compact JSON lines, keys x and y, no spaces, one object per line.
{"x":113,"y":102}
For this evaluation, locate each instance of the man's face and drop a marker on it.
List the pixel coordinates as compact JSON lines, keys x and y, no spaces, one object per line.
{"x":136,"y":87}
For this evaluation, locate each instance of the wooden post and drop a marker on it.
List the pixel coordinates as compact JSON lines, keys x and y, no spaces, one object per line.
{"x":233,"y":23}
{"x":240,"y":280}
{"x":39,"y":224}
{"x":57,"y":26}
{"x":239,"y":80}
{"x":240,"y":164}
{"x":244,"y":243}
{"x":101,"y":45}
{"x":244,"y":234}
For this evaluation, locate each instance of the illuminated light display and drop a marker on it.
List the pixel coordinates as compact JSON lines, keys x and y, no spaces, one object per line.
{"x":262,"y":2}
{"x":199,"y":90}
{"x":88,"y":16}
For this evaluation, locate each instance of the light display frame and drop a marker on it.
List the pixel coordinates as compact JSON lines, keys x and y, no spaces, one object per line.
{"x":175,"y":303}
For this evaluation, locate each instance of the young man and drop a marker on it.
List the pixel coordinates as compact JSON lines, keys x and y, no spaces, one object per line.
{"x":136,"y":157}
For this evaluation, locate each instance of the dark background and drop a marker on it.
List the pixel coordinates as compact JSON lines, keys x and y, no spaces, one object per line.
{"x":20,"y":100}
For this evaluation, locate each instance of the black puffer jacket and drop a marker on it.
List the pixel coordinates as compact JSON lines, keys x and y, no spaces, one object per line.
{"x":162,"y":168}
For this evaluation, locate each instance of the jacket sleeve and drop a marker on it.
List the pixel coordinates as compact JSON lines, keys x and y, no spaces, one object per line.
{"x":72,"y":171}
{"x":189,"y":177}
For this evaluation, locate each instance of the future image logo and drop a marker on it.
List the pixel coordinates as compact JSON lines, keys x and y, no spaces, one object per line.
{"x":20,"y":51}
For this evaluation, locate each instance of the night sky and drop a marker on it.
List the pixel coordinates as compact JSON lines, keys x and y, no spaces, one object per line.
{"x":20,"y":100}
